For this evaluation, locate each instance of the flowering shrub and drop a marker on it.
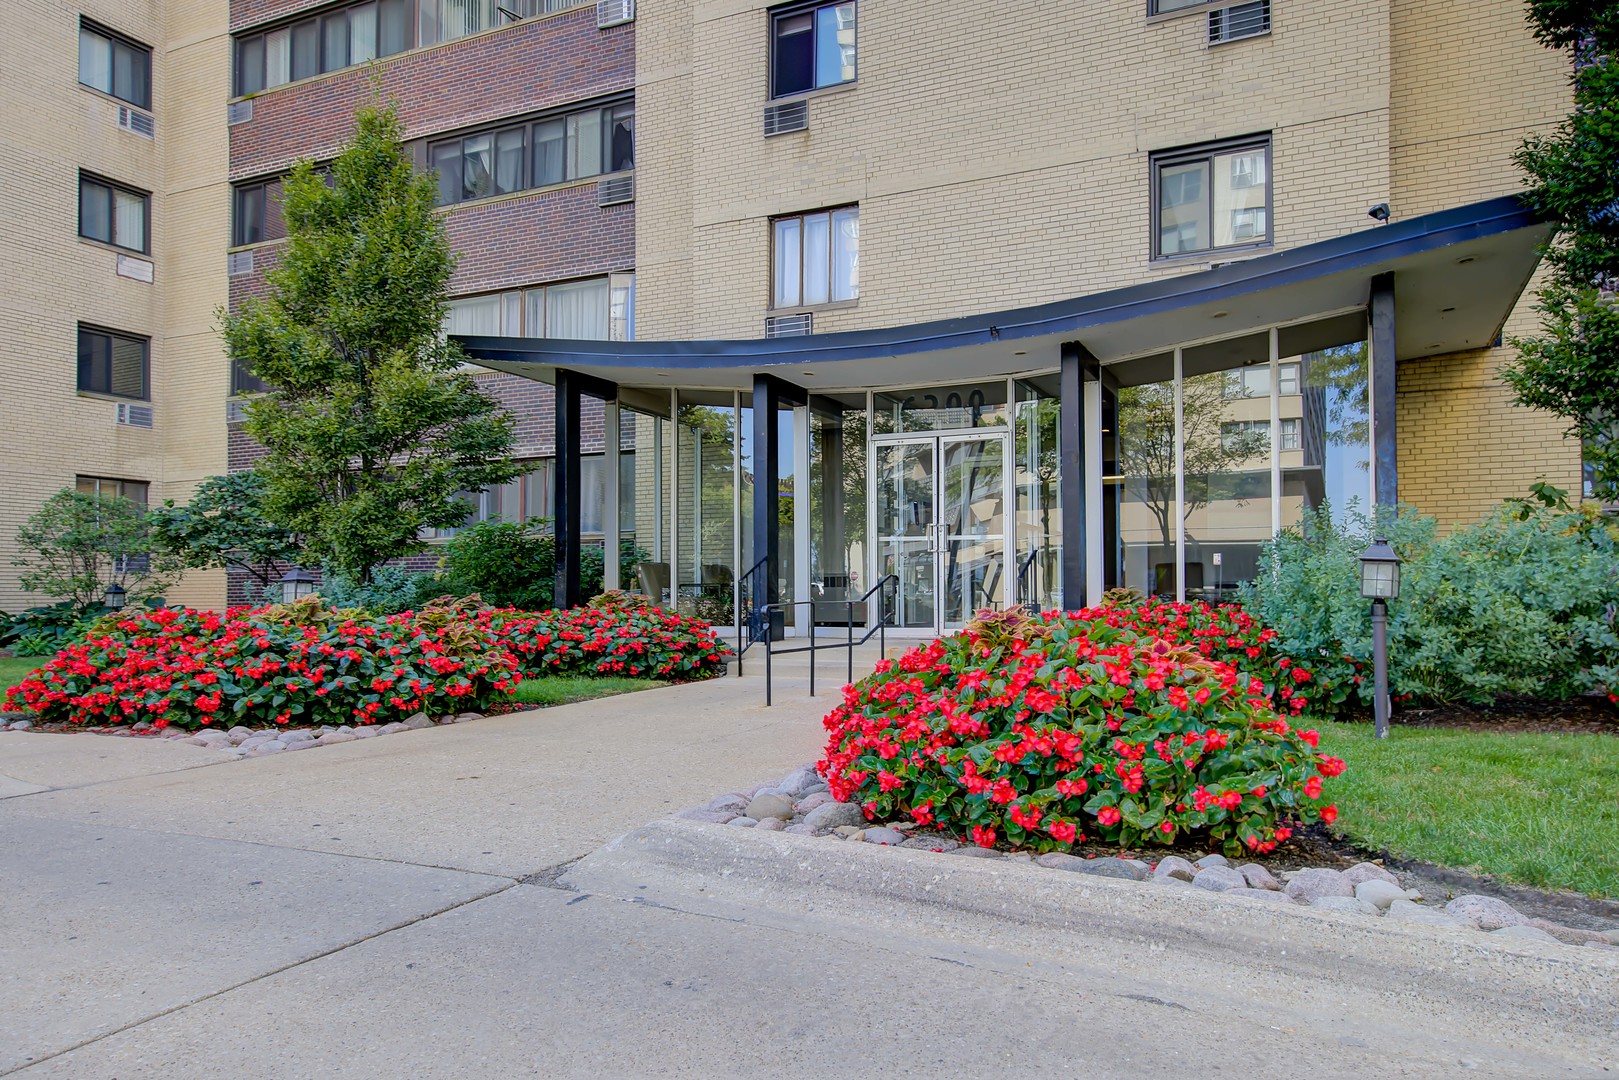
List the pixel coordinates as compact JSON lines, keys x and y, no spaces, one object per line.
{"x":303,"y":663}
{"x":285,"y":664}
{"x":615,"y":634}
{"x":1050,"y":730}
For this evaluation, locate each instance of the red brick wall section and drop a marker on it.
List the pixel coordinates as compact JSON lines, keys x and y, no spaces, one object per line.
{"x":533,"y":239}
{"x":517,"y":69}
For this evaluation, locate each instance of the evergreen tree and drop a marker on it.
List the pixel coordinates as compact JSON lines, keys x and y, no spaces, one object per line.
{"x":1572,"y":367}
{"x":372,"y":427}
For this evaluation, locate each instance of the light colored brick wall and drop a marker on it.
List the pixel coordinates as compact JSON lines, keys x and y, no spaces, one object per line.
{"x":54,"y":280}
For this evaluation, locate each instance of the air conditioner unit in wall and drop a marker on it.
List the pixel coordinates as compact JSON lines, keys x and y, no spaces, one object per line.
{"x":615,"y":190}
{"x":614,"y":13}
{"x":800,"y":325}
{"x":239,"y":263}
{"x":1239,"y":21}
{"x":238,"y":112}
{"x":136,"y":121}
{"x":133,"y":415}
{"x":786,"y":116}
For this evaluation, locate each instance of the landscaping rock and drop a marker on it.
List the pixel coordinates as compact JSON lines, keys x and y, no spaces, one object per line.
{"x":833,"y":814}
{"x":845,"y":832}
{"x":274,"y":746}
{"x":1217,"y":878}
{"x":802,"y":829}
{"x":418,"y":722}
{"x":464,"y":717}
{"x":1407,"y":911}
{"x":743,"y":822}
{"x":255,"y":742}
{"x":391,"y":729}
{"x":776,"y":806}
{"x":298,"y":735}
{"x":1344,"y":903}
{"x":713,"y":817}
{"x":366,"y":733}
{"x":1486,"y":912}
{"x":1379,"y":893}
{"x":973,"y":851}
{"x":1258,"y":877}
{"x":930,"y":842}
{"x":142,"y":725}
{"x":335,"y":737}
{"x":887,"y":837}
{"x":799,"y":782}
{"x":1270,"y":896}
{"x":1369,"y":872}
{"x":1060,"y":860}
{"x":1173,"y":866}
{"x":771,"y":824}
{"x":1318,"y":882}
{"x":239,"y":735}
{"x":732,"y":802}
{"x":1612,"y":935}
{"x":1568,"y":935}
{"x":1113,"y":868}
{"x":1523,"y":932}
{"x":811,"y":801}
{"x":1213,"y":860}
{"x":22,"y":725}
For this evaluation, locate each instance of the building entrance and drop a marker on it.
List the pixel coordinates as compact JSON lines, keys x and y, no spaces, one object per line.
{"x":941,"y":524}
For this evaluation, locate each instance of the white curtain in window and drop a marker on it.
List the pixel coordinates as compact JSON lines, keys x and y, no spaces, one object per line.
{"x":362,"y":33}
{"x":277,"y":57}
{"x":130,"y":225}
{"x":789,"y":263}
{"x":577,"y":310}
{"x":474,"y":315}
{"x":584,"y":144}
{"x":95,"y":61}
{"x":622,"y":307}
{"x":537,"y":490}
{"x":817,"y":258}
{"x":592,"y":492}
{"x":846,"y":254}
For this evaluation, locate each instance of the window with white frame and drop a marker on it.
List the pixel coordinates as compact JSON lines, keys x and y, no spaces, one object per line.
{"x":594,"y":309}
{"x":1290,"y":433}
{"x":815,"y":258}
{"x":1210,"y":197}
{"x":1251,"y":382}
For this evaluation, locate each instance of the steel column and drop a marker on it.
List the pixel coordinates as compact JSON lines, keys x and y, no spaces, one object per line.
{"x":1384,"y":376}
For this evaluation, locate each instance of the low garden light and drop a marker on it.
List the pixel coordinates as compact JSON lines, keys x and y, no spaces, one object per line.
{"x":296,"y":584}
{"x":115,"y":597}
{"x":1380,"y":583}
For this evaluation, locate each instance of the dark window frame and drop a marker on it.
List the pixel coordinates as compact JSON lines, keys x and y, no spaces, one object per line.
{"x":89,"y":329}
{"x":113,"y":186}
{"x":807,"y":7}
{"x":114,"y":40}
{"x":609,"y":112}
{"x":1207,"y":151}
{"x":1156,"y":8}
{"x":243,"y":383}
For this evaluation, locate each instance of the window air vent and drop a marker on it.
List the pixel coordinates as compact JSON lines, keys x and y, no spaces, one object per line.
{"x":615,"y":189}
{"x":238,"y":263}
{"x":789,"y":325}
{"x":1239,"y":21}
{"x":614,"y":13}
{"x":786,"y":116}
{"x":235,"y":411}
{"x":138,"y":122}
{"x":239,"y":112}
{"x":134,"y":415}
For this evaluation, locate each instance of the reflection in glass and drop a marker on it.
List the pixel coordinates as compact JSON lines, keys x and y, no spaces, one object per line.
{"x":972,"y":520}
{"x":707,"y":496}
{"x":1228,"y":482}
{"x":1141,"y":486}
{"x":905,"y":527}
{"x":1331,"y":462}
{"x":1036,"y":462}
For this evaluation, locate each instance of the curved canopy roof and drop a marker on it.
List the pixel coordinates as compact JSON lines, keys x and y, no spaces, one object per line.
{"x":1458,"y":274}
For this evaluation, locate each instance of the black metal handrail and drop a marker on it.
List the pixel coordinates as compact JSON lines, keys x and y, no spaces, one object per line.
{"x":747,"y":587}
{"x":1025,"y":564}
{"x":880,"y":629}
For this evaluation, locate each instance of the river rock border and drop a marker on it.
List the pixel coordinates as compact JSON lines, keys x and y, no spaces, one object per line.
{"x":801,"y":803}
{"x":263,"y":742}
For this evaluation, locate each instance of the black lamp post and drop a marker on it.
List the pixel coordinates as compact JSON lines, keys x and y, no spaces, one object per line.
{"x":1380,"y":583}
{"x":115,"y":597}
{"x":296,"y":584}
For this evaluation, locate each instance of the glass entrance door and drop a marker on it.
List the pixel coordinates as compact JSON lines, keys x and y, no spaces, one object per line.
{"x":941,"y":526}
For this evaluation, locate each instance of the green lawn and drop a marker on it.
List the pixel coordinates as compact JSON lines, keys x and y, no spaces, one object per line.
{"x":1539,"y":810}
{"x":13,"y":669}
{"x":561,"y":689}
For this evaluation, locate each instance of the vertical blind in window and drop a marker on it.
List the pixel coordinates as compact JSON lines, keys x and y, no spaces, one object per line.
{"x":112,"y":364}
{"x":112,"y":214}
{"x":595,"y":309}
{"x":115,"y":65}
{"x":816,"y":258}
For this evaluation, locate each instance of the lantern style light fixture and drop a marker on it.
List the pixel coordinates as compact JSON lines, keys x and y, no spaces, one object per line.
{"x":1380,"y":583}
{"x":115,"y":597}
{"x":296,"y":584}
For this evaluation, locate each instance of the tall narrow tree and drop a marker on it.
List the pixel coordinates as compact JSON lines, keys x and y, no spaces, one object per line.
{"x":372,"y":428}
{"x":1572,"y":367}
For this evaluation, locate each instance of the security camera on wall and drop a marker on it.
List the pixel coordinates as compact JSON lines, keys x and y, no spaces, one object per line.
{"x":1380,"y":211}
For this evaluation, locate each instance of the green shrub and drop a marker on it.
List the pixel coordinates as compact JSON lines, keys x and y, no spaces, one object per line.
{"x":512,"y":565}
{"x":392,"y":589}
{"x":1051,"y":730}
{"x":41,"y":631}
{"x":1518,"y":604}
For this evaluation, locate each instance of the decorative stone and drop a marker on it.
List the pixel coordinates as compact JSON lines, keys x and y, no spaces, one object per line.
{"x":1060,"y":860}
{"x":1113,"y":868}
{"x":297,"y":735}
{"x":366,"y":733}
{"x":335,"y":737}
{"x":418,"y":722}
{"x":763,"y":806}
{"x":930,"y":843}
{"x":274,"y":746}
{"x":844,"y":832}
{"x":1407,"y":911}
{"x":1379,"y":893}
{"x":973,"y":851}
{"x":771,"y":824}
{"x":811,"y":801}
{"x":1369,"y":872}
{"x":798,"y":783}
{"x":1568,"y":935}
{"x":1173,"y":866}
{"x":464,"y":717}
{"x":1317,"y":882}
{"x":142,"y":725}
{"x":1486,"y":912}
{"x":255,"y":742}
{"x":1258,"y":877}
{"x":1213,"y":860}
{"x":1612,"y":935}
{"x":713,"y":817}
{"x":732,"y":801}
{"x":833,"y":814}
{"x":1273,"y":896}
{"x":1344,"y":903}
{"x":743,"y":822}
{"x":1523,"y":932}
{"x":802,"y":829}
{"x":888,"y":837}
{"x":21,"y":725}
{"x":392,"y":729}
{"x":1219,"y":879}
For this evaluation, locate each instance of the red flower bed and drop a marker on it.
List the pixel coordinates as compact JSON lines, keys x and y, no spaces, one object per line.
{"x":302,"y":664}
{"x":1051,"y":730}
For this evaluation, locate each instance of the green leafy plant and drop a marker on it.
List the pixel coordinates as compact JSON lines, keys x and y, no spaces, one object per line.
{"x":224,"y":525}
{"x":77,"y":544}
{"x":514,"y":565}
{"x":392,"y":589}
{"x":372,"y":428}
{"x":1046,"y":731}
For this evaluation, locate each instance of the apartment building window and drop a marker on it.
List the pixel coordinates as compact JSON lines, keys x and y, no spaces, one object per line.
{"x":1290,"y":433}
{"x":1234,"y":433}
{"x":115,"y":65}
{"x":532,"y":496}
{"x":815,"y":258}
{"x":1250,"y":382}
{"x":572,"y":146}
{"x":114,"y":214}
{"x":1163,"y":7}
{"x":811,"y":46}
{"x":595,"y":309}
{"x":114,"y":364}
{"x":106,"y":487}
{"x":256,"y":213}
{"x":242,"y":379}
{"x":1210,"y":197}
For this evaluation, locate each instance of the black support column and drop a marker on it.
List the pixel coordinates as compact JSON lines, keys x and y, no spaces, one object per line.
{"x":769,"y":395}
{"x":571,"y":386}
{"x":1384,"y":381}
{"x":1078,"y":367}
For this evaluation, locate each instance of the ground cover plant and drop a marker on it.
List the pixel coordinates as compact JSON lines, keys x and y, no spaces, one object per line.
{"x":1534,"y":809}
{"x":1047,"y":731}
{"x":551,"y":690}
{"x":306,"y":664}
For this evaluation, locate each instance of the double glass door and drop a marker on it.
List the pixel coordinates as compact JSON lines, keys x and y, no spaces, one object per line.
{"x":941,"y":522}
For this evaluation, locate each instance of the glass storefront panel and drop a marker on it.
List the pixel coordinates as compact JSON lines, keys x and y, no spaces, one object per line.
{"x":1326,"y":451}
{"x":1037,"y":461}
{"x":1226,"y":448}
{"x":1140,"y":485}
{"x":972,"y":527}
{"x":945,"y":408}
{"x":904,"y":532}
{"x":837,"y":509}
{"x":707,"y":500}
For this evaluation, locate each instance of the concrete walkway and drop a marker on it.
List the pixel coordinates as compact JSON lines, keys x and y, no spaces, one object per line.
{"x":360,"y":910}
